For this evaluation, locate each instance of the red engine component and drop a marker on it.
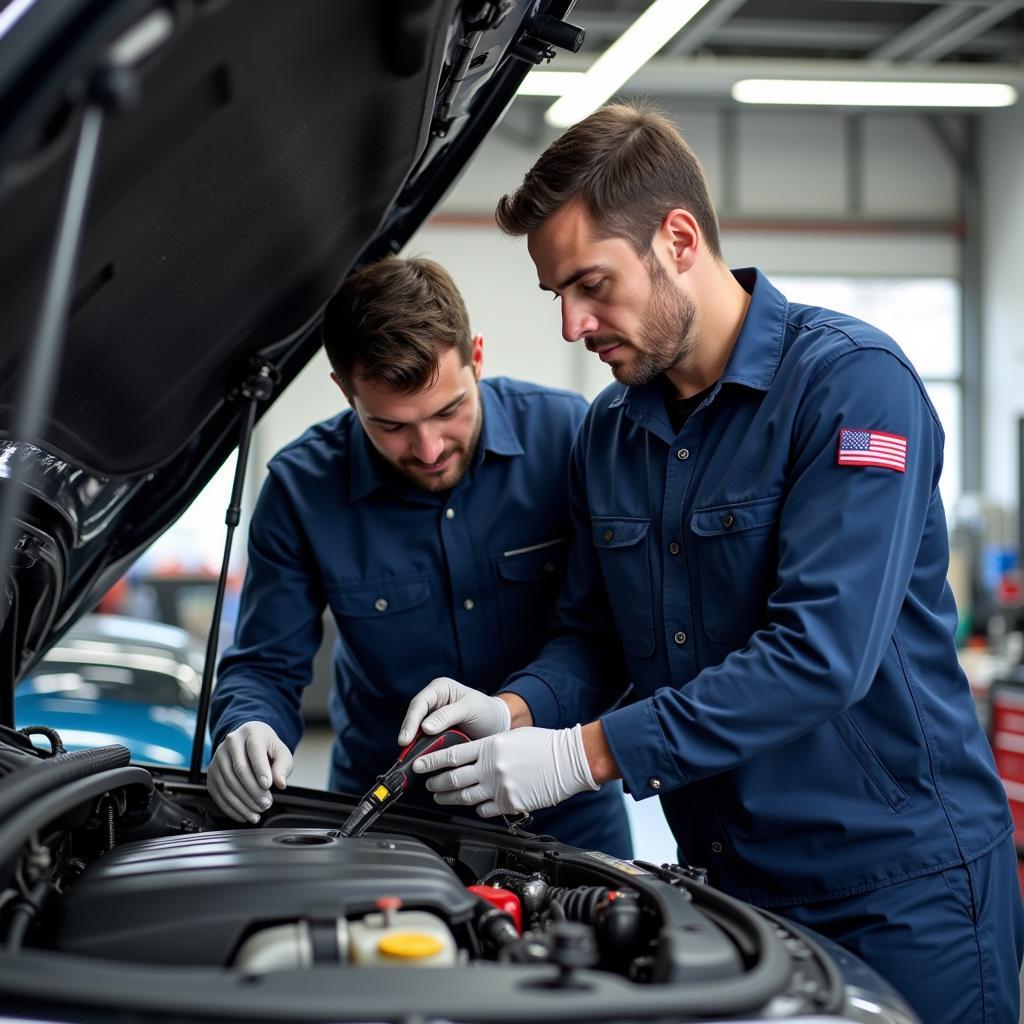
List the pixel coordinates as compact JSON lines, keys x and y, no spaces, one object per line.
{"x":503,"y":900}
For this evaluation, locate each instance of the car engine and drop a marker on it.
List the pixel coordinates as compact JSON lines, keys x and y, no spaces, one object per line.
{"x":114,"y":880}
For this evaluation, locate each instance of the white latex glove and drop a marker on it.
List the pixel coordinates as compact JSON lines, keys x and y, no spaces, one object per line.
{"x":242,"y":769}
{"x":511,"y":773}
{"x":445,"y":704}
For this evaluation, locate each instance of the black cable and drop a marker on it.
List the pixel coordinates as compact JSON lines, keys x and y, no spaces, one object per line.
{"x":56,"y":744}
{"x":25,"y":911}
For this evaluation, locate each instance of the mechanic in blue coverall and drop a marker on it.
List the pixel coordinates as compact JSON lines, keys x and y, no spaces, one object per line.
{"x":431,"y":518}
{"x":761,"y":548}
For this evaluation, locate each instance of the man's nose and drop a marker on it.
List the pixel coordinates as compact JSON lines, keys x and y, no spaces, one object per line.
{"x":428,"y":447}
{"x":577,"y":321}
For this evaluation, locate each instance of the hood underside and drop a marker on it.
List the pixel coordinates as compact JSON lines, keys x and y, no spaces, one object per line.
{"x":267,"y":146}
{"x":260,"y":151}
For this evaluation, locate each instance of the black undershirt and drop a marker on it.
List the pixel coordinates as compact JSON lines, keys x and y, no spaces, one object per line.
{"x":681,"y":409}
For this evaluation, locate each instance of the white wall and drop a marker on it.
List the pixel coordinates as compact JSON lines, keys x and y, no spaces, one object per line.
{"x":1002,"y":153}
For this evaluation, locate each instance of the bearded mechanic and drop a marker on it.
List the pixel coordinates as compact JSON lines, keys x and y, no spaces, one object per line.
{"x":431,"y":518}
{"x":761,"y":548}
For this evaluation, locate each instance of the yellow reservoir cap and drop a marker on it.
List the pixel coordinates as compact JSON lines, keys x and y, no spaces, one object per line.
{"x":409,"y":945}
{"x":381,"y":792}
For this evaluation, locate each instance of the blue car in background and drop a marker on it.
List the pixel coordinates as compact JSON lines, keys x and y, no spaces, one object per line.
{"x":113,"y":679}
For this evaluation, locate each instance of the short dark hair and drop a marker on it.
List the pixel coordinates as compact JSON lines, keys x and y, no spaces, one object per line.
{"x":392,"y":321}
{"x":629,"y":165}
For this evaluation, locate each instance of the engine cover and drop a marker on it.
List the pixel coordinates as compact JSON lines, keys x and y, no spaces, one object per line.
{"x":192,"y":899}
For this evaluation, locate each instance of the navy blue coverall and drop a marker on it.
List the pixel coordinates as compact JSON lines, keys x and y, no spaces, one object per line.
{"x":776,"y":590}
{"x":420,"y":585}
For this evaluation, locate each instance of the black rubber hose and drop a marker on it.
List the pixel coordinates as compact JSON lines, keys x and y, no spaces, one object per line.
{"x":580,"y":904}
{"x":24,"y":913}
{"x":28,"y":784}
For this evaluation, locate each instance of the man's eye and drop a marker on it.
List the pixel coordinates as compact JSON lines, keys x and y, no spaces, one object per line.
{"x":447,"y":414}
{"x":389,"y":428}
{"x":593,"y":287}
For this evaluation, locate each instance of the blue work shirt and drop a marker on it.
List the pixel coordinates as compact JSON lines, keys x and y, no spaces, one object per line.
{"x":784,"y":617}
{"x":420,"y":585}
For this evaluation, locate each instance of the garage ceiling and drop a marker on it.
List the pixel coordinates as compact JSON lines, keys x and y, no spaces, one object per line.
{"x":960,"y":31}
{"x":962,"y":39}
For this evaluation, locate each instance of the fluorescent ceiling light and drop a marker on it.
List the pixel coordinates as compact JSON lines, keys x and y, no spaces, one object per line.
{"x":874,"y":94}
{"x":617,"y":65}
{"x":11,"y":13}
{"x":548,"y":83}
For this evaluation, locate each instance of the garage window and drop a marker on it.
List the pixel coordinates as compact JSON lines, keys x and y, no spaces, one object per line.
{"x":923,"y":316}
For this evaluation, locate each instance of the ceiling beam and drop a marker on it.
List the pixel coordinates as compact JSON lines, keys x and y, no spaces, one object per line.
{"x":803,"y":34}
{"x":794,"y":33}
{"x":922,"y":31}
{"x":968,"y":30}
{"x":694,"y":35}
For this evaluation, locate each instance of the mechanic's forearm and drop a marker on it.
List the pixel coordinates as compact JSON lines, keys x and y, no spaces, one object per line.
{"x":600,"y":758}
{"x":521,"y":714}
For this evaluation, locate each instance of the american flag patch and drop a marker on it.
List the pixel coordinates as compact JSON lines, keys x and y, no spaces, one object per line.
{"x":872,"y":448}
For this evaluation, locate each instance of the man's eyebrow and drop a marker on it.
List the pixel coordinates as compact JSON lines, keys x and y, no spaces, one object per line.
{"x":401,"y":423}
{"x":573,"y":277}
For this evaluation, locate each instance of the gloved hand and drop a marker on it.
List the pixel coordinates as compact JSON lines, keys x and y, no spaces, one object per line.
{"x":241,"y":771}
{"x":522,"y":770}
{"x":445,"y":704}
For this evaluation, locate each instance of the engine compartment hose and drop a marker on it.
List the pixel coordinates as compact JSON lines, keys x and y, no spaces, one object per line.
{"x":27,"y":784}
{"x":24,"y":912}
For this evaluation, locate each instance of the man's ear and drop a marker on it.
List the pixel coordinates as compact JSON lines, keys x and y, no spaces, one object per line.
{"x":678,"y":239}
{"x":344,"y":390}
{"x":476,"y":356}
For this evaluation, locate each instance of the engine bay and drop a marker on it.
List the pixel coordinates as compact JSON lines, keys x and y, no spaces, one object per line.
{"x":123,"y":881}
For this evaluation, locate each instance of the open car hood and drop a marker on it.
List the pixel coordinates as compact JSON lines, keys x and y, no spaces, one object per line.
{"x":255,"y":152}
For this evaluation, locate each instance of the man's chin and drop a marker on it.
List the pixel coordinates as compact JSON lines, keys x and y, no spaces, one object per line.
{"x":625,"y":372}
{"x":443,"y":481}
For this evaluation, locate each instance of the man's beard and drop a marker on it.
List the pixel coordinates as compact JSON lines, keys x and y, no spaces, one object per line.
{"x":667,"y":335}
{"x":410,"y":468}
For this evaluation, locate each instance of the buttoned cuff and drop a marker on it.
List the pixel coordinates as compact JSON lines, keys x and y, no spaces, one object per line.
{"x":539,"y":696}
{"x":639,"y":748}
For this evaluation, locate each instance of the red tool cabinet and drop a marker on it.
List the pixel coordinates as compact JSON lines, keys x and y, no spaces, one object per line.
{"x":1007,"y":737}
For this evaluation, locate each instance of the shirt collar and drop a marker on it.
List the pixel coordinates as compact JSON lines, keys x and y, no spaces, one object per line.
{"x":367,"y":470}
{"x":498,"y":436}
{"x":754,"y":358}
{"x":758,"y":349}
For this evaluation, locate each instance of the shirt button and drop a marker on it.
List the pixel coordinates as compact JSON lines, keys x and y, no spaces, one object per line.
{"x":449,"y":513}
{"x":673,"y":548}
{"x":682,"y":454}
{"x":728,"y":520}
{"x":549,"y":566}
{"x":608,"y":534}
{"x":680,"y":638}
{"x":655,"y":783}
{"x":716,"y":847}
{"x":381,"y":604}
{"x":468,"y":604}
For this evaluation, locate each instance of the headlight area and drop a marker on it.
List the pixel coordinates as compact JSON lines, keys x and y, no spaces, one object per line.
{"x":119,"y":895}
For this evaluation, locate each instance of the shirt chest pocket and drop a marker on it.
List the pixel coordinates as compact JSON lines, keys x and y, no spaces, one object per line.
{"x":388,"y":625}
{"x":737,"y":560}
{"x":528,"y":582}
{"x":621,"y":546}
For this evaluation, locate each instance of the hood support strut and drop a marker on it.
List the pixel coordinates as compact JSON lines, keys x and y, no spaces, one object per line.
{"x":258,"y":387}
